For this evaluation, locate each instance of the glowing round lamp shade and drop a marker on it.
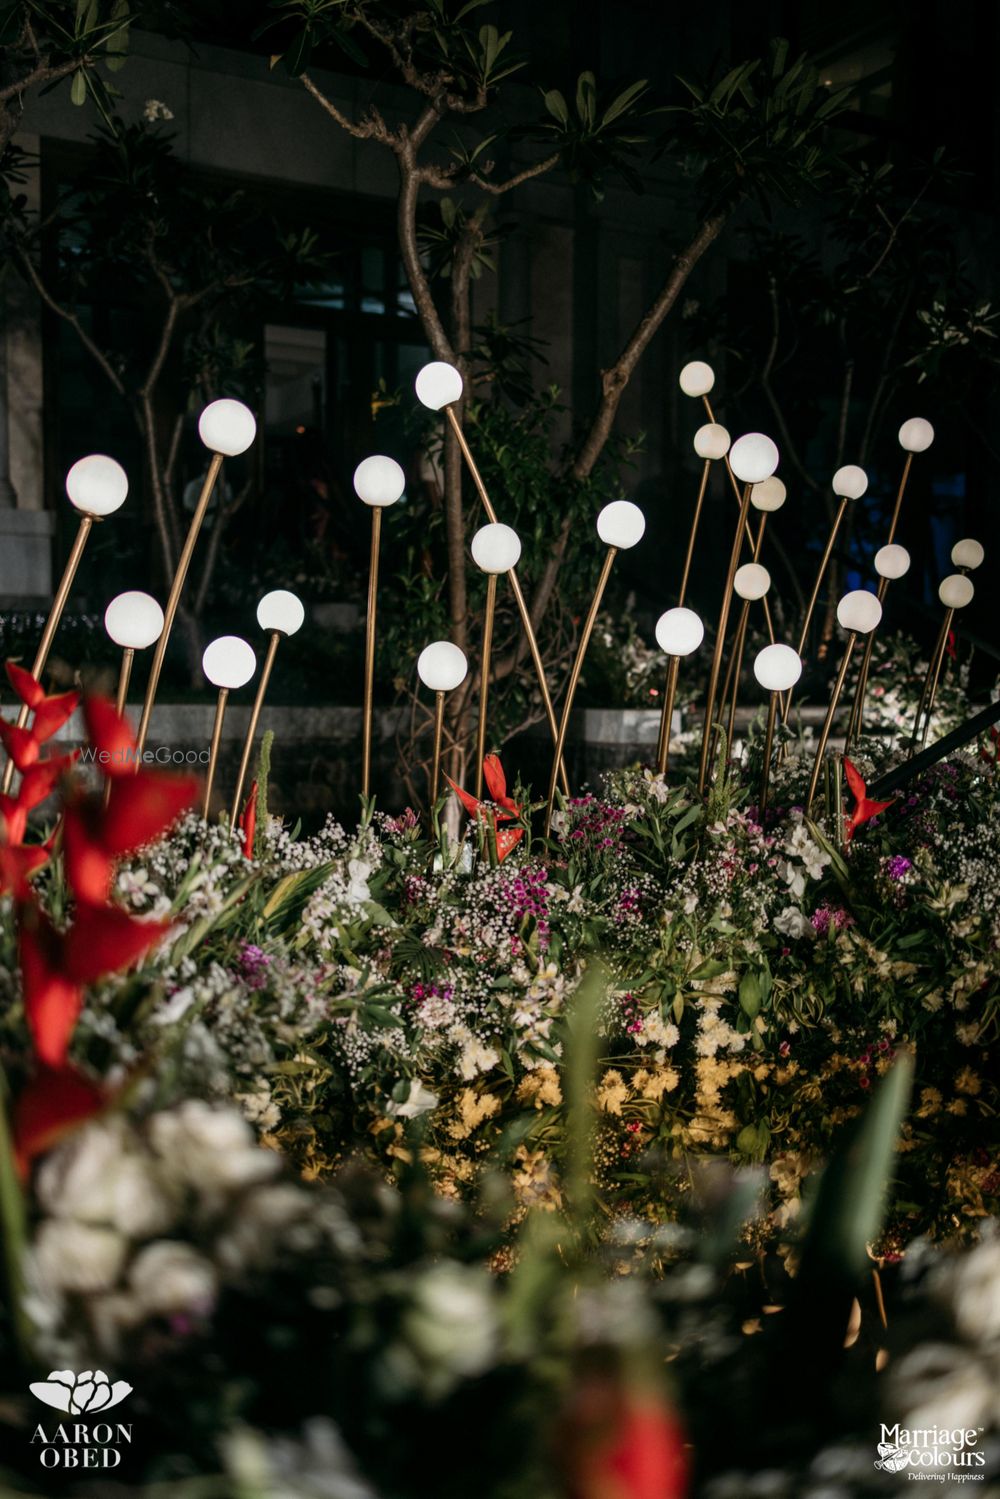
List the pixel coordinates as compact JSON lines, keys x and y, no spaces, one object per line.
{"x":379,"y":481}
{"x":769,"y":495}
{"x":621,"y":524}
{"x":227,"y":427}
{"x":697,"y":378}
{"x":441,"y":666}
{"x":438,"y":384}
{"x":711,"y":441}
{"x":777,"y":667}
{"x":134,"y":620}
{"x":892,"y":561}
{"x":753,"y":458}
{"x":751,"y":581}
{"x":968,"y":553}
{"x":859,"y":611}
{"x":97,"y":485}
{"x":496,"y":548}
{"x":229,"y":662}
{"x":956,"y":591}
{"x":850,"y":482}
{"x":280,"y":610}
{"x":679,"y":632}
{"x":916,"y":435}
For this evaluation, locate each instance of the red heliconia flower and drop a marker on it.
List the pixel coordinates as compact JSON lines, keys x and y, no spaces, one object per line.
{"x":950,"y":646}
{"x":24,"y":746}
{"x":496,"y":785}
{"x":623,"y":1444}
{"x":864,"y":808}
{"x":55,"y":966}
{"x":142,"y":805}
{"x":53,"y":1102}
{"x":248,"y":821}
{"x":17,"y":862}
{"x":37,"y":782}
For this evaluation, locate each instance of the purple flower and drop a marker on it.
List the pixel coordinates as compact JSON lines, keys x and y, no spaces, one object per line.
{"x":897,"y":866}
{"x":253,"y":965}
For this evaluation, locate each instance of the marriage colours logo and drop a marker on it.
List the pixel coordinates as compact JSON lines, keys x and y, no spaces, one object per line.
{"x":933,"y":1453}
{"x":81,"y":1444}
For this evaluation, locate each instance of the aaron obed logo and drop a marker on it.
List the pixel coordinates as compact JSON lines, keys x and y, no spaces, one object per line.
{"x":81,"y":1444}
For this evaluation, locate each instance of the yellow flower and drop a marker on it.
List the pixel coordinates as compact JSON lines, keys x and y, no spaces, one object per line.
{"x":540,"y":1088}
{"x":473,"y":1108}
{"x":967,"y":1081}
{"x":930,"y":1102}
{"x":612,"y":1093}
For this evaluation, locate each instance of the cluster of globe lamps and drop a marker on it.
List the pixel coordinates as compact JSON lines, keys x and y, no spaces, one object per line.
{"x":97,"y":487}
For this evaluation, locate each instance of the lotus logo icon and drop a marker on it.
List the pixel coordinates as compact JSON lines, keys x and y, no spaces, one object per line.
{"x":80,"y":1394}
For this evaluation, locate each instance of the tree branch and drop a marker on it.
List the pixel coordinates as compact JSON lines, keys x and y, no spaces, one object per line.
{"x":371,"y":128}
{"x":615,"y":379}
{"x":31,"y":271}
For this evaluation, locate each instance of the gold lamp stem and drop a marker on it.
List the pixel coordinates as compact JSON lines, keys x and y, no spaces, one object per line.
{"x":574,"y":677}
{"x":720,"y":636}
{"x":856,"y":724}
{"x":124,"y":673}
{"x":732,"y":682}
{"x":746,"y":524}
{"x":828,"y":720}
{"x":213,"y":753}
{"x":436,"y":758}
{"x":367,"y":709}
{"x":52,"y":625}
{"x":666,"y":717}
{"x":695,"y":519}
{"x":765,"y":774}
{"x":176,"y":587}
{"x":484,"y":678}
{"x":519,"y":599}
{"x":258,"y":703}
{"x":811,"y":608}
{"x":929,"y":693}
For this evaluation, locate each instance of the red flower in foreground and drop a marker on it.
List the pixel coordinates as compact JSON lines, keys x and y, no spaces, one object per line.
{"x":141,"y":806}
{"x":864,"y":808}
{"x":248,"y":821}
{"x":623,"y":1444}
{"x":55,"y":1101}
{"x":50,"y":713}
{"x":55,"y":966}
{"x":496,"y":785}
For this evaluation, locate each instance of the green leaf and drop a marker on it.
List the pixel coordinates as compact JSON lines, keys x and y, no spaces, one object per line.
{"x":750,"y":996}
{"x":556,"y":106}
{"x":625,"y":98}
{"x":78,"y":89}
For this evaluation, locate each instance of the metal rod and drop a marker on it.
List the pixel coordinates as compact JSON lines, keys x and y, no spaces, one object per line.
{"x":828,"y":720}
{"x":52,"y":625}
{"x":932,"y":694}
{"x":699,"y":502}
{"x":954,"y":739}
{"x":720,"y":636}
{"x":574,"y":677}
{"x":670,"y":692}
{"x":939,"y":646}
{"x":484,"y":679}
{"x":732,"y":682}
{"x":213,"y":753}
{"x":519,"y":599}
{"x":811,"y":607}
{"x":176,"y":588}
{"x":124,"y":673}
{"x":258,"y":703}
{"x":436,"y":758}
{"x":369,"y":688}
{"x":899,"y":499}
{"x":765,"y":775}
{"x":856,"y":723}
{"x":746,"y":527}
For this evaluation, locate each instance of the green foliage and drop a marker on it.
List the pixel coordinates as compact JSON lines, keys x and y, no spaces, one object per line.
{"x":759,"y":131}
{"x":594,"y":136}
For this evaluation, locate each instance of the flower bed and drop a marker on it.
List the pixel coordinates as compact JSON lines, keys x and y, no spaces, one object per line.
{"x":557,"y":1038}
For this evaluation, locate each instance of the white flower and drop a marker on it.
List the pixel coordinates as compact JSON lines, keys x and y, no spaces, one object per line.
{"x":452,"y":1322}
{"x":976,"y":1292}
{"x":475,"y":1058}
{"x":93,"y":1178}
{"x":72,"y":1256}
{"x":176,"y":1007}
{"x":791,"y":922}
{"x":155,"y":109}
{"x":168,"y":1277}
{"x":419,"y":1100}
{"x":210,"y":1149}
{"x":357,"y":887}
